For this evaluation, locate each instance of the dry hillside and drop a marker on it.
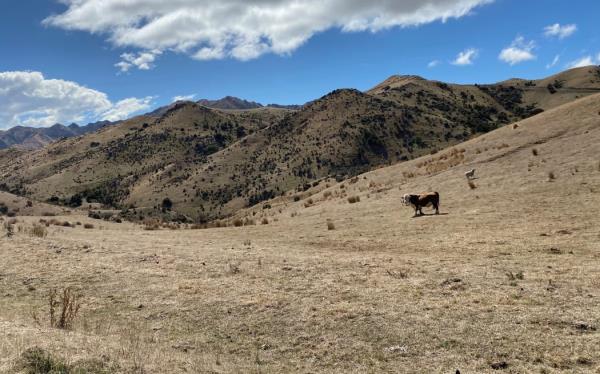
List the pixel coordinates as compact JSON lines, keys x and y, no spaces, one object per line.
{"x":504,"y":280}
{"x":209,"y":163}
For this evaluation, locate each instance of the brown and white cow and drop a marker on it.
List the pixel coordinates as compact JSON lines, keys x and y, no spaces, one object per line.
{"x":422,"y":200}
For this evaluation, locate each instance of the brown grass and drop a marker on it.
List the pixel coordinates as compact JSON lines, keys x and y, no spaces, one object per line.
{"x":354,"y":199}
{"x":38,"y":231}
{"x":88,"y":226}
{"x":472,"y":185}
{"x":63,"y":308}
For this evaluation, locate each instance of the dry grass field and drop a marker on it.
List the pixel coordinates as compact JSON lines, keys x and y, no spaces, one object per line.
{"x":506,"y":279}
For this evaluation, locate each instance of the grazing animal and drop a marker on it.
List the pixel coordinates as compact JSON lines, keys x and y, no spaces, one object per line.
{"x":470,"y":174}
{"x":423,"y":200}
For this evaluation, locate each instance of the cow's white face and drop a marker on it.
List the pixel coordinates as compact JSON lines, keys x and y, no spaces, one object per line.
{"x":406,"y":199}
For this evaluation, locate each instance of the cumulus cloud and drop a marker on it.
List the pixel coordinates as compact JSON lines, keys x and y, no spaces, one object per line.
{"x":519,"y":51}
{"x":243,"y":29}
{"x":560,"y":31}
{"x":184,"y":97}
{"x":29,"y":99}
{"x":433,"y":64}
{"x":142,"y":60}
{"x":584,"y":61}
{"x":466,"y":57}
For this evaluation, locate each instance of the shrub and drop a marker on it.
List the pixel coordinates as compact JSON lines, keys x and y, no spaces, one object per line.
{"x":265,"y":221}
{"x":238,"y":222}
{"x":29,"y":204}
{"x":296,"y":198}
{"x":534,"y":151}
{"x":330,"y":225}
{"x":353,"y":199}
{"x":67,"y":304}
{"x":48,"y":214}
{"x":551,"y":176}
{"x":88,"y":226}
{"x":327,"y":194}
{"x":37,"y":361}
{"x":472,"y":185}
{"x":167,"y":203}
{"x":38,"y":231}
{"x":66,"y":224}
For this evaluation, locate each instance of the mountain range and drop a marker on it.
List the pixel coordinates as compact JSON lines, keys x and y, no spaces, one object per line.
{"x":200,"y":163}
{"x":38,"y":137}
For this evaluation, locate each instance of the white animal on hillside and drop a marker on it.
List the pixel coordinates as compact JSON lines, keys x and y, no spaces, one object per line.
{"x":470,"y":174}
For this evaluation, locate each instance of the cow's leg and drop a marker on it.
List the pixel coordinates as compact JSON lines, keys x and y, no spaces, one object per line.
{"x":437,"y":210}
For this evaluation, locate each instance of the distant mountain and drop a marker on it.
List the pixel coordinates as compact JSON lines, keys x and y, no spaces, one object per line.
{"x":38,"y":137}
{"x":230,"y":102}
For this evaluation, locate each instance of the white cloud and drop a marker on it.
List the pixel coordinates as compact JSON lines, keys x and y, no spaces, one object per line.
{"x":124,"y":108}
{"x":243,"y":29}
{"x":29,"y":99}
{"x":584,"y":61}
{"x":433,"y":64}
{"x":560,"y":31}
{"x":143,"y":60}
{"x":554,"y":62}
{"x":184,"y":98}
{"x":519,"y":51}
{"x":466,"y":57}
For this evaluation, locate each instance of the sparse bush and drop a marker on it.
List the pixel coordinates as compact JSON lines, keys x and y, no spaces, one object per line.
{"x":472,"y":185}
{"x":29,"y":204}
{"x":330,"y":225}
{"x":308,"y":202}
{"x":48,"y":214}
{"x":88,"y":226}
{"x":38,"y":231}
{"x":551,"y":176}
{"x":238,"y":222}
{"x":534,"y":151}
{"x":354,"y":199}
{"x":265,"y":221}
{"x":38,"y":361}
{"x":167,"y":204}
{"x":296,"y":198}
{"x":327,"y":194}
{"x":67,"y":305}
{"x":234,"y":268}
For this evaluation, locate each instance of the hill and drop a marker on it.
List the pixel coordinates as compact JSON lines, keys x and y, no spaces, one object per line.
{"x":504,"y":280}
{"x":210,"y":163}
{"x":38,"y":137}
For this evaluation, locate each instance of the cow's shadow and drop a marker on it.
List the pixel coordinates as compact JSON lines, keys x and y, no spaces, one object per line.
{"x":430,"y":215}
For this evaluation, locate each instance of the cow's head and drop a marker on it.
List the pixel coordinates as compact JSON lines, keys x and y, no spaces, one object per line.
{"x":406,"y":199}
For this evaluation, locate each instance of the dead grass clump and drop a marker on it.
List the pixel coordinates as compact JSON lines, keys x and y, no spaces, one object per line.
{"x":534,"y":152}
{"x":264,"y":221}
{"x":48,"y":214}
{"x":308,"y":203}
{"x":330,"y":225}
{"x":88,"y":226}
{"x":472,"y":185}
{"x":249,"y":222}
{"x":354,"y":199}
{"x":151,"y":224}
{"x":399,"y":274}
{"x":503,"y":145}
{"x":38,"y":361}
{"x":327,"y":194}
{"x":551,"y":176}
{"x":238,"y":222}
{"x":38,"y":231}
{"x":67,"y":305}
{"x":234,"y":268}
{"x":10,"y":229}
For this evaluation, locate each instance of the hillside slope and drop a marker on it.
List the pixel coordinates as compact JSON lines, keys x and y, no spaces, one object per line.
{"x":211,"y":163}
{"x":504,"y":280}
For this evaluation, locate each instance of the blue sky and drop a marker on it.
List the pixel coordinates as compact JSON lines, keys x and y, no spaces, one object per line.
{"x":107,"y":74}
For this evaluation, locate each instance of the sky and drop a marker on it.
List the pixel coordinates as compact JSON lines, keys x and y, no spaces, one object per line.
{"x":87,"y":60}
